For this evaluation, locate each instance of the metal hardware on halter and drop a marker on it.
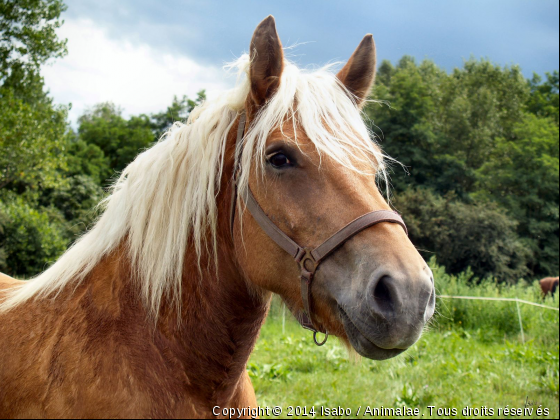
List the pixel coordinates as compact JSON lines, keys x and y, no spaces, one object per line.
{"x":308,"y":259}
{"x":320,"y":343}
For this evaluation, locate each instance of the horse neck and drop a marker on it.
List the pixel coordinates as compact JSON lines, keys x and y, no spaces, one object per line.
{"x":220,"y":315}
{"x":215,"y":331}
{"x":211,"y":336}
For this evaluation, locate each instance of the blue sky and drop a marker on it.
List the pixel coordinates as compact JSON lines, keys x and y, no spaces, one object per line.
{"x":138,"y":53}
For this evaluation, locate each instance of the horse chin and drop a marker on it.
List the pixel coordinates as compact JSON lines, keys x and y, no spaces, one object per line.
{"x":364,"y":345}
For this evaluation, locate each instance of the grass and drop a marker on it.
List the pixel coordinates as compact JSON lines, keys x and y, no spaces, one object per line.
{"x":472,"y":356}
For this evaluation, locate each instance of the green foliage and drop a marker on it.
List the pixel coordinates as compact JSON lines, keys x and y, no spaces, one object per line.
{"x":543,"y":100}
{"x":107,"y":142}
{"x":3,"y":222}
{"x":86,"y":159}
{"x":31,"y":129}
{"x":442,"y":126}
{"x":31,"y":239}
{"x":33,"y":137}
{"x":522,"y":175}
{"x":32,"y":140}
{"x":75,"y":198}
{"x":408,"y":95}
{"x":479,"y":236}
{"x":179,"y":110}
{"x":119,"y":139}
{"x":28,"y":35}
{"x":484,"y":134}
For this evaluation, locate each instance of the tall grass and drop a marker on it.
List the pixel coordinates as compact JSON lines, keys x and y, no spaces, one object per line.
{"x":493,"y":320}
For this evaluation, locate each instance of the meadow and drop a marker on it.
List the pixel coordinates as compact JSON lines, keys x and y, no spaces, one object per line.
{"x":472,"y":356}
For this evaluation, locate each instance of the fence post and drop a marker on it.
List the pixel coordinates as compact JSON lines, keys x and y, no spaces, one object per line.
{"x":283,"y":318}
{"x":520,"y":322}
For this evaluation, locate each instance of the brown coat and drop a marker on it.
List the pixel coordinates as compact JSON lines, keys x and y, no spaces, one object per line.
{"x":549,"y":285}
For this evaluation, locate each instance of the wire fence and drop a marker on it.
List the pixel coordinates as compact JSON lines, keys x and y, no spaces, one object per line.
{"x":517,"y":302}
{"x":494,"y":298}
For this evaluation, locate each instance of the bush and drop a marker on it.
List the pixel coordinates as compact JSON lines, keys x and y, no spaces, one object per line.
{"x":463,"y":235}
{"x":29,"y":239}
{"x":75,"y":198}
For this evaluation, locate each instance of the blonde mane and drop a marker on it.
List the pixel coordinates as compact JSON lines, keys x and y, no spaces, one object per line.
{"x":166,"y":198}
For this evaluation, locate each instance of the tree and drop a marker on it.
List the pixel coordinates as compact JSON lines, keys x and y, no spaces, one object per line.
{"x":3,"y":222}
{"x":442,"y":126}
{"x":28,"y":36}
{"x":73,"y":202}
{"x":479,"y":236}
{"x":522,"y":174}
{"x":483,"y":133}
{"x":86,"y":159}
{"x":403,"y":117}
{"x":481,"y":102}
{"x":120,"y":140}
{"x":32,"y":142}
{"x":543,"y":100}
{"x":111,"y":141}
{"x":31,"y":128}
{"x":33,"y":136}
{"x":179,"y":110}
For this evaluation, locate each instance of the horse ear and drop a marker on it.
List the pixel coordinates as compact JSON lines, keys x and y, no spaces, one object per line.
{"x":267,"y":61}
{"x":359,"y":73}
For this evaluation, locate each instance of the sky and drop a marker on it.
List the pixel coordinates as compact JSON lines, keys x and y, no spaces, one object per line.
{"x":138,"y":54}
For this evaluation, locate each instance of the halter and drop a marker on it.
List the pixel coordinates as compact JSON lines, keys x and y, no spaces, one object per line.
{"x":308,"y":259}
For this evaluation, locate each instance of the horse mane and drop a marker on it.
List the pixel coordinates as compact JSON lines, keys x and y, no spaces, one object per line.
{"x":163,"y":205}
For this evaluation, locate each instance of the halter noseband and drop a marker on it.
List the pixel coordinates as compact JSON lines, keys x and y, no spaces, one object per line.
{"x":308,"y":259}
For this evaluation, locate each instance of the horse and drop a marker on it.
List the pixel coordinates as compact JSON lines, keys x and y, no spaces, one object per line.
{"x":549,"y":286}
{"x":155,"y":311}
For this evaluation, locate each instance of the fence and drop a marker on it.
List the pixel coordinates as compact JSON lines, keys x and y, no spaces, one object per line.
{"x":517,"y":301}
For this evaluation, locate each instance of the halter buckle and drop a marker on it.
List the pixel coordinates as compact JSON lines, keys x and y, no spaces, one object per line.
{"x":307,"y":262}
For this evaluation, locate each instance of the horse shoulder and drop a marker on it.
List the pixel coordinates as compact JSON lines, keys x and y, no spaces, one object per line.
{"x":7,"y":282}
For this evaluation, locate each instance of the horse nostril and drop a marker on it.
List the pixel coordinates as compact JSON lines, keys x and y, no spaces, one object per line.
{"x":383,"y":296}
{"x":401,"y":297}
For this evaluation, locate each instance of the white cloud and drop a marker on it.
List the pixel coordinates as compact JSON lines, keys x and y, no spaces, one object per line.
{"x":135,"y":77}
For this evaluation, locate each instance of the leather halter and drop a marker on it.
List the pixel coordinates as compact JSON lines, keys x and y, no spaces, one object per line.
{"x":307,"y":258}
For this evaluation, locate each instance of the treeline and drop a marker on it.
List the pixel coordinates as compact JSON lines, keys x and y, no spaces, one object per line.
{"x":52,"y":177}
{"x":480,"y":147}
{"x":53,"y":180}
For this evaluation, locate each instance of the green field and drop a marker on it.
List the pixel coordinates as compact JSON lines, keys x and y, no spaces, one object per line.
{"x":472,"y":356}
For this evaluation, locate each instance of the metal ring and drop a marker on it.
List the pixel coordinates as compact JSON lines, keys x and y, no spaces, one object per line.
{"x":324,"y":341}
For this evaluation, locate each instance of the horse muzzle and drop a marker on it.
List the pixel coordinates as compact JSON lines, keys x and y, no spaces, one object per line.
{"x":391,"y":315}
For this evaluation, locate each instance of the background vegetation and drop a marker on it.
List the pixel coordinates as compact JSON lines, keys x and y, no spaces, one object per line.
{"x":480,"y":192}
{"x":481,"y":149}
{"x":480,"y":145}
{"x":52,"y":176}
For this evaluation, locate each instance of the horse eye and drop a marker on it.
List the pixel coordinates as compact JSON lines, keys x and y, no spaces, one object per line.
{"x":279,"y":160}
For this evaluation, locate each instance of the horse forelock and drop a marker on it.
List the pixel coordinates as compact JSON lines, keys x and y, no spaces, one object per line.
{"x":164,"y":205}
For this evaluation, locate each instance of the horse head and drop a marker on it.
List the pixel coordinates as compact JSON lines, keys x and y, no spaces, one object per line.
{"x":307,"y":158}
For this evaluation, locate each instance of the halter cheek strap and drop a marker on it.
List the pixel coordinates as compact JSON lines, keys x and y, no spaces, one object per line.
{"x":308,"y":259}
